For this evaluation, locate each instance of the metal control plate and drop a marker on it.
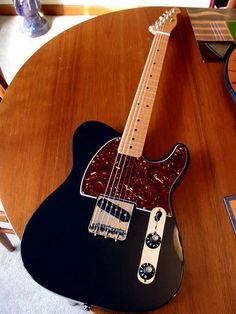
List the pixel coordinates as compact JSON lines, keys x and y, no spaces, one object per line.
{"x":150,"y":253}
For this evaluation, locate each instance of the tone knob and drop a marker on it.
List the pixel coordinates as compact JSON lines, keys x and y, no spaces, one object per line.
{"x":153,"y":240}
{"x":146,"y":271}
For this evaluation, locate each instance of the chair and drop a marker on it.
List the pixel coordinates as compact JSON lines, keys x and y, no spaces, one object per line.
{"x":3,"y":231}
{"x":229,"y":4}
{"x":3,"y":85}
{"x":3,"y":218}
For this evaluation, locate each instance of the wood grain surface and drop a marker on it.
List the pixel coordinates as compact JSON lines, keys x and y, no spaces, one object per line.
{"x":90,"y":72}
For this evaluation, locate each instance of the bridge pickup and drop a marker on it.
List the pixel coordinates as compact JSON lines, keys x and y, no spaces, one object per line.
{"x":111,"y":218}
{"x":113,"y":209}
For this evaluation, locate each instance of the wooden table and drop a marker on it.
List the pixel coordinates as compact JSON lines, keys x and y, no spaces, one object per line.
{"x":91,"y":72}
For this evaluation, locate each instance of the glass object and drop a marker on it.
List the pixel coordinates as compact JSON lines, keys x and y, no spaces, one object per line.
{"x":34,"y":24}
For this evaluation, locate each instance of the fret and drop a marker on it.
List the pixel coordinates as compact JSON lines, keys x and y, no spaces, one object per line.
{"x":208,"y":30}
{"x":137,"y":128}
{"x":212,"y":37}
{"x":145,"y":96}
{"x":130,"y":143}
{"x":150,"y":83}
{"x":135,"y":131}
{"x":149,"y":97}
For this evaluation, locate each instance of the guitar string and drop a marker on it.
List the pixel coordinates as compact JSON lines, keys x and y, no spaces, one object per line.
{"x":142,"y":82}
{"x":146,"y":80}
{"x":126,"y":184}
{"x":213,"y":30}
{"x":98,"y":212}
{"x":215,"y":25}
{"x":137,"y":95}
{"x":118,"y":167}
{"x":217,"y":31}
{"x":126,"y":163}
{"x":147,"y":72}
{"x":123,"y":184}
{"x":220,"y":31}
{"x":117,"y":160}
{"x":141,"y":93}
{"x":156,"y":48}
{"x":140,"y":88}
{"x":137,"y":166}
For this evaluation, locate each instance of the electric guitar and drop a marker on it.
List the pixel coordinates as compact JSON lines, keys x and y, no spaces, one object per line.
{"x":108,"y":235}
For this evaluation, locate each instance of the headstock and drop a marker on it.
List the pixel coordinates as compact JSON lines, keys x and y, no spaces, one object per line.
{"x":166,"y":22}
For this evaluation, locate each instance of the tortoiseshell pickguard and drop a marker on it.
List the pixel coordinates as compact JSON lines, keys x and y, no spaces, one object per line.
{"x":146,"y":183}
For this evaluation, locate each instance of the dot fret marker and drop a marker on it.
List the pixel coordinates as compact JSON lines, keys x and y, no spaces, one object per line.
{"x":144,"y":99}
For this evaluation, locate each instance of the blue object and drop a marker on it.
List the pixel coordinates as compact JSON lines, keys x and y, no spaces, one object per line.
{"x":34,"y":25}
{"x":230,"y":68}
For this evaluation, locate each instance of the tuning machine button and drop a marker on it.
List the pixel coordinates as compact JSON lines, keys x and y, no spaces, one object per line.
{"x":146,"y":271}
{"x":153,"y":240}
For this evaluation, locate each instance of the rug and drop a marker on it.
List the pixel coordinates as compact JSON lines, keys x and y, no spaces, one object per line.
{"x":20,"y":294}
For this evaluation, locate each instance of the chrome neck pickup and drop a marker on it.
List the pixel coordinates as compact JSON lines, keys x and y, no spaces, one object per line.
{"x":111,"y":218}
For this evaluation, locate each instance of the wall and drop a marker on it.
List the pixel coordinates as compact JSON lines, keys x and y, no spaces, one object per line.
{"x":124,"y":3}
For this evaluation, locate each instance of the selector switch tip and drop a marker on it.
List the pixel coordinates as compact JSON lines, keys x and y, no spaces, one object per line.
{"x":158,"y":215}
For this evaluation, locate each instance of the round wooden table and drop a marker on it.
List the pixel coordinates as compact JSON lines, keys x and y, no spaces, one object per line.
{"x":90,"y":72}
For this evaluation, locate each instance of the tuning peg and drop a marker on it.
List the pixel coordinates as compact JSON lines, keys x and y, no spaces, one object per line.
{"x":150,"y":28}
{"x":160,"y":21}
{"x":165,"y":15}
{"x":157,"y":24}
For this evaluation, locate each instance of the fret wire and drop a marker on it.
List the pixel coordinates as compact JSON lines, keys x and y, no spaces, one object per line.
{"x":152,"y":84}
{"x":143,"y":97}
{"x":140,"y":124}
{"x":150,"y":96}
{"x":130,"y":140}
{"x":140,"y":130}
{"x":134,"y":144}
{"x":142,"y":82}
{"x":143,"y":78}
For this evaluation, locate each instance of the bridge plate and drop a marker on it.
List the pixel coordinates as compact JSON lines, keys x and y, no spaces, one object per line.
{"x":111,"y":218}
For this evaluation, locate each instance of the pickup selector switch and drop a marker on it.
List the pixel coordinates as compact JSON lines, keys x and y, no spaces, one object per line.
{"x":153,"y":240}
{"x":158,"y":215}
{"x":146,"y":271}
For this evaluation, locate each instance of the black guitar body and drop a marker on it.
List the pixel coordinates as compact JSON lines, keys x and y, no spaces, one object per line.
{"x":63,"y":256}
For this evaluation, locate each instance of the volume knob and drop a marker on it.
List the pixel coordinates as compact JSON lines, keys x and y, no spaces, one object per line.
{"x":153,"y":240}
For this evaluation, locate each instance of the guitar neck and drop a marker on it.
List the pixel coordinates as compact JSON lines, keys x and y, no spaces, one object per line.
{"x":211,"y":25}
{"x":135,"y":131}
